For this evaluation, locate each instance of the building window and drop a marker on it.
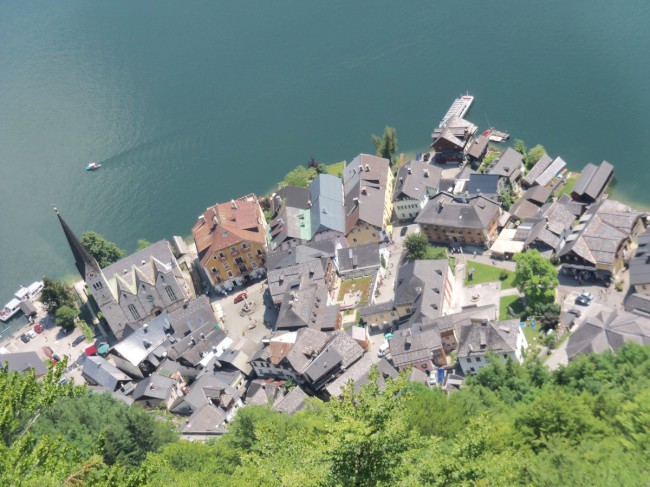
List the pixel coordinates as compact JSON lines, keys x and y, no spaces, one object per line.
{"x":472,"y":369}
{"x":259,"y":252}
{"x":250,"y":255}
{"x":229,"y":273}
{"x":478,"y":359}
{"x":245,"y":245}
{"x":239,"y":261}
{"x":134,"y":312}
{"x":226,"y":265}
{"x":469,"y":360}
{"x":170,"y":293}
{"x":214,"y":270}
{"x":243,"y":269}
{"x":254,"y":264}
{"x":222,"y":255}
{"x":505,"y":355}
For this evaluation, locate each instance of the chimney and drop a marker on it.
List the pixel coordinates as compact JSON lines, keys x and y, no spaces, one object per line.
{"x":355,"y":200}
{"x":233,"y":205}
{"x":144,"y":328}
{"x":360,"y":168}
{"x":202,"y":218}
{"x":408,"y":170}
{"x":143,"y":262}
{"x":367,"y":168}
{"x":426,"y":173}
{"x":364,"y":190}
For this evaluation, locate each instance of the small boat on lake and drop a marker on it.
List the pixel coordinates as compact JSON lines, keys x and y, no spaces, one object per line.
{"x":93,"y":166}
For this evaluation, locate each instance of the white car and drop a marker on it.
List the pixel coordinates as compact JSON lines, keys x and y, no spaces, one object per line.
{"x":31,"y":333}
{"x":383,"y":350}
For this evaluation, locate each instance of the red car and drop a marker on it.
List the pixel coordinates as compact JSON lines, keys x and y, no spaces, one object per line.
{"x":240,"y":297}
{"x":38,"y":328}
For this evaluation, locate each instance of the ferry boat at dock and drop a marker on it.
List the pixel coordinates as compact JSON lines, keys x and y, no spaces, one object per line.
{"x":23,"y":294}
{"x":459,"y":107}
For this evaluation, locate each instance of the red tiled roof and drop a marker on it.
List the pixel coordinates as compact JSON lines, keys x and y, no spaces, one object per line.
{"x":227,"y":224}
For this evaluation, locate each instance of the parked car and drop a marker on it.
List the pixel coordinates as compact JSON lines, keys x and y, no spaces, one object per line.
{"x":25,"y":338}
{"x":576,"y":312}
{"x":403,"y":231}
{"x":31,"y":333}
{"x":38,"y":329}
{"x":63,"y":381}
{"x":78,"y":340}
{"x":588,"y":296}
{"x":582,"y":301}
{"x":240,"y":297}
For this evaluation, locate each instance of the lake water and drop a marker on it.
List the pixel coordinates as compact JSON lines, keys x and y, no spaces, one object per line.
{"x":190,"y":103}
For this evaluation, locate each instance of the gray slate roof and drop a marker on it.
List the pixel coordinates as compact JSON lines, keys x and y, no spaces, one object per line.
{"x":365,"y":178}
{"x":478,"y":338}
{"x":103,"y":373}
{"x":23,"y":361}
{"x":447,"y":210}
{"x":292,"y":402}
{"x":206,"y":420}
{"x":155,"y":386}
{"x":307,"y":307}
{"x":593,"y":180}
{"x":551,"y":171}
{"x":421,"y":283}
{"x":376,"y":308}
{"x":408,"y":347}
{"x":640,"y":264}
{"x":160,"y":251}
{"x":484,"y":184}
{"x":478,"y":146}
{"x":413,"y":179}
{"x":308,"y":345}
{"x":608,"y":331}
{"x":508,"y":165}
{"x":346,"y":346}
{"x":538,"y":169}
{"x":601,"y":230}
{"x":638,"y":304}
{"x":360,"y":257}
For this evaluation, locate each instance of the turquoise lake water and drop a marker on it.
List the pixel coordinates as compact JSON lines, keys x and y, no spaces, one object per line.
{"x":190,"y":103}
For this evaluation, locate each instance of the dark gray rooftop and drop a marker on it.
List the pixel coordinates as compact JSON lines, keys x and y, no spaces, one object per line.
{"x":485,"y":184}
{"x":155,"y":386}
{"x":593,"y":180}
{"x":142,"y":260}
{"x":478,"y":338}
{"x":414,"y":178}
{"x":23,"y":361}
{"x":103,"y":373}
{"x":365,"y":184}
{"x":447,"y":210}
{"x":408,"y":347}
{"x":508,"y":165}
{"x":292,"y":402}
{"x":608,"y":331}
{"x":538,"y":169}
{"x":640,"y":264}
{"x":206,"y":420}
{"x":360,"y":257}
{"x":421,"y":284}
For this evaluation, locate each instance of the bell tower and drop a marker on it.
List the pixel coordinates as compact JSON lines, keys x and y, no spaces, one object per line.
{"x":88,"y":267}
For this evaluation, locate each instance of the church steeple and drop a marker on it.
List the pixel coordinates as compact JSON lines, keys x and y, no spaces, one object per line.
{"x":86,"y":263}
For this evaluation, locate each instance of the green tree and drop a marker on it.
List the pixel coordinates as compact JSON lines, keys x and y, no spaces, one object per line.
{"x":534,"y":155}
{"x":520,"y":146}
{"x":142,"y":244}
{"x":98,"y":423}
{"x":386,"y":145}
{"x":300,"y":176}
{"x":321,"y":169}
{"x":104,"y":251}
{"x":536,"y":277}
{"x":66,"y":317}
{"x":507,"y":197}
{"x":56,"y":294}
{"x":416,"y":246}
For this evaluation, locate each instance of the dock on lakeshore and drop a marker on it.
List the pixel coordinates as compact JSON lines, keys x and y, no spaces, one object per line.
{"x":459,"y":107}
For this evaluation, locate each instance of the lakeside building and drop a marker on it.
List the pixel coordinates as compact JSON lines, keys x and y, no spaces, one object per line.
{"x":416,"y":182}
{"x":593,"y":182}
{"x":509,"y":166}
{"x":368,"y":188}
{"x":602,"y":240}
{"x":451,"y":219}
{"x":231,"y":239}
{"x":135,"y":289}
{"x":302,"y":213}
{"x":451,"y":140}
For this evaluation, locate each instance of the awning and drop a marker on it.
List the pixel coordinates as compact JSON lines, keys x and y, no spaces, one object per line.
{"x":103,"y":350}
{"x":92,"y":350}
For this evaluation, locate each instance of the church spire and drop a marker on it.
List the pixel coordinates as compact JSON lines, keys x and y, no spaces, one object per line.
{"x":85,"y":262}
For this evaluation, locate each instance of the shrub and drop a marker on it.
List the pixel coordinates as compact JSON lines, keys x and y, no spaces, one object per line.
{"x":619,"y":286}
{"x":503,"y":275}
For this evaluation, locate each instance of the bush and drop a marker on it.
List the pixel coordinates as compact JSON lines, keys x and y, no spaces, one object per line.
{"x":619,"y":286}
{"x":503,"y":275}
{"x":555,"y":260}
